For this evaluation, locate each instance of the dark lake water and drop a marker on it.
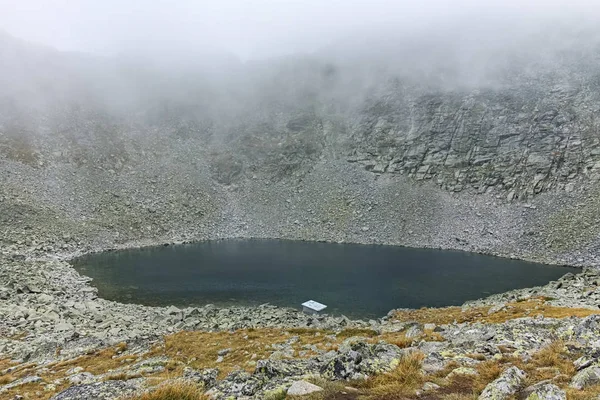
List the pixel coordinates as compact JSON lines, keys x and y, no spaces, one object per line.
{"x":356,"y":280}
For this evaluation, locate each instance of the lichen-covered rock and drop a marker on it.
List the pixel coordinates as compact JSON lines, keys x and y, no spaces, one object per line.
{"x":238,"y":384}
{"x":286,"y":368}
{"x":586,"y":377}
{"x":206,"y":377}
{"x":109,"y":390}
{"x":506,"y":385}
{"x":358,"y":359}
{"x":545,"y":391}
{"x":462,"y":371}
{"x":434,"y":362}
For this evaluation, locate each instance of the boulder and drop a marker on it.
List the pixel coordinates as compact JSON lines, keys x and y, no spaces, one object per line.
{"x":586,"y":377}
{"x":302,"y":388}
{"x":356,"y":359}
{"x":505,"y":385}
{"x":206,"y":377}
{"x":544,"y":391}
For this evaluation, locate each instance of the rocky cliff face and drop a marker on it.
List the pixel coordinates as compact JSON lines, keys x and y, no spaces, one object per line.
{"x":104,"y":153}
{"x":515,"y":141}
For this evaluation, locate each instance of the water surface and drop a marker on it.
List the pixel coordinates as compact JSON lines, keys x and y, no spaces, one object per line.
{"x":356,"y":280}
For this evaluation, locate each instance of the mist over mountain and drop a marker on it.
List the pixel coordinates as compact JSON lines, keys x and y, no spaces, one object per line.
{"x":478,"y":109}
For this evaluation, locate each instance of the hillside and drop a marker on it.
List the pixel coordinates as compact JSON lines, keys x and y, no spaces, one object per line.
{"x":503,"y":160}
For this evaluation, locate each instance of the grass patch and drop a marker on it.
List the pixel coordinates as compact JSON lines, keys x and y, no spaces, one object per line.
{"x":96,"y":363}
{"x":121,"y":376}
{"x":399,"y":339}
{"x":351,"y":332}
{"x":403,"y":381}
{"x":518,"y":309}
{"x":6,"y":379}
{"x":550,"y":362}
{"x":200,"y":349}
{"x":592,"y":392}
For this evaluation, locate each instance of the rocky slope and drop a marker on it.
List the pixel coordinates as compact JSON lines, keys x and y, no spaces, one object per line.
{"x":93,"y":156}
{"x":102,"y":153}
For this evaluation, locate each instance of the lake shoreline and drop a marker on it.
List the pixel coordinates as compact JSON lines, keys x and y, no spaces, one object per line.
{"x":255,"y":271}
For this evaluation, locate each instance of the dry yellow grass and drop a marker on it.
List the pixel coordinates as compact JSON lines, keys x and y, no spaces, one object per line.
{"x":487,"y":371}
{"x":173,"y":391}
{"x":200,"y":349}
{"x":96,"y":363}
{"x":550,"y":362}
{"x":403,"y":381}
{"x":350,"y":332}
{"x":121,"y":376}
{"x":399,"y":339}
{"x":593,"y":392}
{"x":528,"y":308}
{"x":5,"y":379}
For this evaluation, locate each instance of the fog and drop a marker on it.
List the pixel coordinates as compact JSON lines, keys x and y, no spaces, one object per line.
{"x":263,"y":28}
{"x":241,"y":60}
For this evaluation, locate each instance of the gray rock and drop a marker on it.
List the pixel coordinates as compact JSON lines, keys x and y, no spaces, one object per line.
{"x":82,"y":378}
{"x":223,"y":352}
{"x":544,"y":391}
{"x":586,"y":377}
{"x":64,"y":327}
{"x":506,"y":385}
{"x":430,"y":386}
{"x":207,"y":377}
{"x":109,"y":390}
{"x":302,"y":388}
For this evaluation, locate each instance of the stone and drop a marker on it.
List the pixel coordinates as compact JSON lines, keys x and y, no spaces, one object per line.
{"x":462,"y":371}
{"x":505,"y":386}
{"x":583,"y":362}
{"x":207,"y":377}
{"x":544,"y":391}
{"x":434,"y":362}
{"x":73,"y":371}
{"x":303,"y":388}
{"x":223,"y":352}
{"x":64,"y":327}
{"x":430,"y":386}
{"x":586,"y":377}
{"x":109,"y":390}
{"x":82,"y":378}
{"x":496,"y":308}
